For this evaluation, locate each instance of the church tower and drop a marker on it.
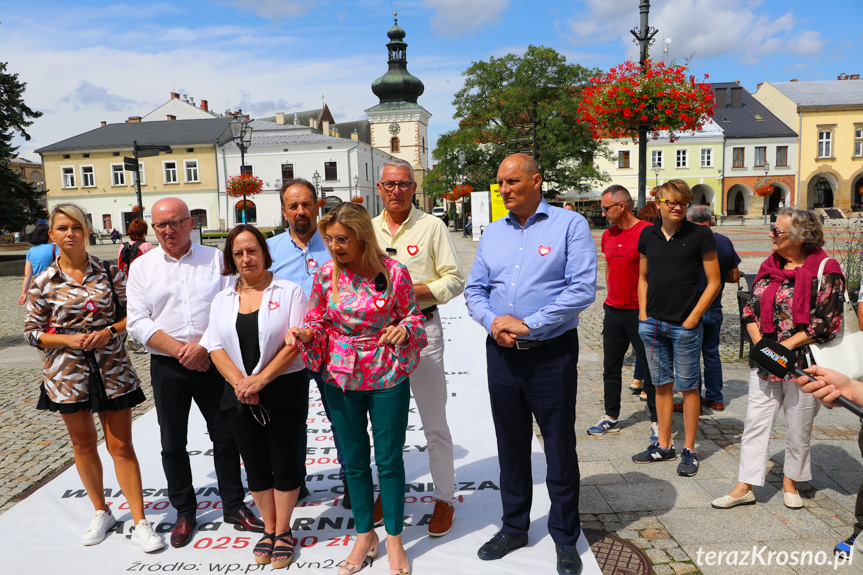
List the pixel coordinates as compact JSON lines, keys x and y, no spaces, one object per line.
{"x":399,"y":125}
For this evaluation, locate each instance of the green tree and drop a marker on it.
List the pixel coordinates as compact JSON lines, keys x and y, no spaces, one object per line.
{"x":20,"y":202}
{"x":526,"y":104}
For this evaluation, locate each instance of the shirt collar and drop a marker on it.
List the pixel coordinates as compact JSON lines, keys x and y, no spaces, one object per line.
{"x":413,"y":214}
{"x":169,"y":258}
{"x":542,"y":212}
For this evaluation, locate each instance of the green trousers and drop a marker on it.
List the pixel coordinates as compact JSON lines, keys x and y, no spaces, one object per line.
{"x":388,"y":411}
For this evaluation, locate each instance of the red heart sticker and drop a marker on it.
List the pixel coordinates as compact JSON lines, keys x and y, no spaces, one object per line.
{"x":274,"y":305}
{"x":413,"y":250}
{"x":544,"y":250}
{"x":380,"y":302}
{"x":313,"y":264}
{"x":90,"y":306}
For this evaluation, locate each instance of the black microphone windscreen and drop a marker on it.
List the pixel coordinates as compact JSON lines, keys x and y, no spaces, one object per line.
{"x":773,"y":356}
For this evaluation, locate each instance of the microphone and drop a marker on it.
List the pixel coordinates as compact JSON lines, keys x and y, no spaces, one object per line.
{"x":780,"y":361}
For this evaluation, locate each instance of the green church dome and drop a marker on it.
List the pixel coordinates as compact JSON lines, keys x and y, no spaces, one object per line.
{"x":397,"y":85}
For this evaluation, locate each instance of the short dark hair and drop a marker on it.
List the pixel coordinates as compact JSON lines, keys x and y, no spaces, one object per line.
{"x":619,"y":193}
{"x":39,"y":235}
{"x":295,"y":182}
{"x":229,"y":268}
{"x":138,"y":229}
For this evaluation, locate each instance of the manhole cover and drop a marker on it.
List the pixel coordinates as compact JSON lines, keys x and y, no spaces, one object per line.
{"x":616,"y":556}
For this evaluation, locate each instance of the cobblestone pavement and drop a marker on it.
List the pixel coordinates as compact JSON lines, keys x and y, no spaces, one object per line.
{"x":667,"y":516}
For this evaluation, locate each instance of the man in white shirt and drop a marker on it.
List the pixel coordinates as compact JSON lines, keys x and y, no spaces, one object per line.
{"x":169,"y":292}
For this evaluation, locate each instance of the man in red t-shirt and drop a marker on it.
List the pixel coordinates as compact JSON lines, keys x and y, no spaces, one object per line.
{"x":620,"y":326}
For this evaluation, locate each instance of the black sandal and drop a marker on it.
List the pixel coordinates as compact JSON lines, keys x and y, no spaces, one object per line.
{"x":264,"y":549}
{"x":282,"y":556}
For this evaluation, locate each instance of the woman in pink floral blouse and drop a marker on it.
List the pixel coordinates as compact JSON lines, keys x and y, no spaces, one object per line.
{"x":364,"y":330}
{"x":788,"y":304}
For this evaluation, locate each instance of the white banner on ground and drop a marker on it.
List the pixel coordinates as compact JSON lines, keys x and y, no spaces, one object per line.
{"x":42,"y":534}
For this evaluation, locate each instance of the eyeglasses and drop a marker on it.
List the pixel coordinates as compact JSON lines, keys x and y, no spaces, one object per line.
{"x":173,"y":224}
{"x":402,"y":186}
{"x":606,"y":209}
{"x":777,"y":232}
{"x":672,"y":204}
{"x":340,"y":241}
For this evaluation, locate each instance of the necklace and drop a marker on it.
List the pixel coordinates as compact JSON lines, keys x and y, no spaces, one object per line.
{"x":260,"y":283}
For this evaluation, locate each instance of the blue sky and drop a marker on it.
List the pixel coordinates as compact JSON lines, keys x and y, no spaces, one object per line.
{"x":95,"y":60}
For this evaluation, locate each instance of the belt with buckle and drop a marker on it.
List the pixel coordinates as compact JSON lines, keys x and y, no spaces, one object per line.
{"x":429,"y":311}
{"x":522,"y":344}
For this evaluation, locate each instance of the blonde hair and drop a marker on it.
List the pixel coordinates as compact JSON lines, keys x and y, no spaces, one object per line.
{"x":73,"y":212}
{"x":675,"y":190}
{"x":357,"y":218}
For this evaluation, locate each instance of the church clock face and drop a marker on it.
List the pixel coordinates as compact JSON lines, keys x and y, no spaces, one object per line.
{"x":395,"y":128}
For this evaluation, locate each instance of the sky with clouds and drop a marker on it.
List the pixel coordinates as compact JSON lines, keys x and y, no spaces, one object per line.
{"x":93,"y":60}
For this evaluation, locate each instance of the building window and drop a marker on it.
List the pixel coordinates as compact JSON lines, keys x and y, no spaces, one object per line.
{"x":107,"y":222}
{"x":118,"y":175}
{"x":199,"y":218}
{"x":656,"y":159}
{"x":623,"y":159}
{"x":170,"y":172}
{"x":706,"y":157}
{"x":68,"y":177}
{"x":825,"y":144}
{"x":331,"y":171}
{"x":367,"y":171}
{"x":738,"y":158}
{"x":781,"y":156}
{"x":760,"y":156}
{"x":191,"y":171}
{"x":251,"y":212}
{"x":858,"y":141}
{"x":88,"y":177}
{"x":141,"y":172}
{"x":247,"y":170}
{"x":394,"y":145}
{"x":683,"y":158}
{"x":287,"y":172}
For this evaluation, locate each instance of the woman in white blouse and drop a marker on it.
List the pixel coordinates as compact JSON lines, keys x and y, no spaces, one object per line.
{"x":266,"y":390}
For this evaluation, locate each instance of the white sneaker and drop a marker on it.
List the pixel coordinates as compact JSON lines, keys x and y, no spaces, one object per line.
{"x":102,"y":522}
{"x":144,"y":537}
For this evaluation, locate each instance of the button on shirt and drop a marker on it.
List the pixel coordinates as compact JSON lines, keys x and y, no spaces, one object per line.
{"x":294,"y":263}
{"x":543,"y":273}
{"x":423,"y":245}
{"x":173,"y":295}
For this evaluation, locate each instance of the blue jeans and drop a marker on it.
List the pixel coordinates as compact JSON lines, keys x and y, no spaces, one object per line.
{"x":712,"y":322}
{"x":673,"y":352}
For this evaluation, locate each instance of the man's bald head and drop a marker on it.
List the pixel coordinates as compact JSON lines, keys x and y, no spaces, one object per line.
{"x":174,"y":205}
{"x":524,"y":162}
{"x":172,"y":223}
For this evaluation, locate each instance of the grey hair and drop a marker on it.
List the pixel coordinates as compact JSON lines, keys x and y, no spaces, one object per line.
{"x":620,"y":194}
{"x":805,"y":228}
{"x":399,"y":163}
{"x":700,"y":214}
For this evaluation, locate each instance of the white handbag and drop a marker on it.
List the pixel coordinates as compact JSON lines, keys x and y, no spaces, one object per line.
{"x":843,"y":353}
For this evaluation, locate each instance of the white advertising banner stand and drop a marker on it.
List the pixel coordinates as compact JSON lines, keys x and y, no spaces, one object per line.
{"x":480,"y":213}
{"x":42,"y":534}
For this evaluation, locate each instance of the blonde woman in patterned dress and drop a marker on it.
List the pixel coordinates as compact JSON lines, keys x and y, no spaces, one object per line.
{"x":71,"y":316}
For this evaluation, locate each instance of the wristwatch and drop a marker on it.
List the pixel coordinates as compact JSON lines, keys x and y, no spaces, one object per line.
{"x":113,"y":330}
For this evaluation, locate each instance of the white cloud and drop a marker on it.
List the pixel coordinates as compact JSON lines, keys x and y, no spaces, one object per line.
{"x":277,"y":9}
{"x":701,"y":28}
{"x":87,"y":94}
{"x":456,"y":17}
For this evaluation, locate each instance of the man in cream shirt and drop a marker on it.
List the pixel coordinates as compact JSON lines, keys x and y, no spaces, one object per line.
{"x":421,"y":242}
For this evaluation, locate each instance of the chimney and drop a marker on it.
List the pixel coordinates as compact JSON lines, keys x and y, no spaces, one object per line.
{"x":354,"y":135}
{"x":854,"y":77}
{"x":311,"y":122}
{"x":794,"y":80}
{"x":134,"y":120}
{"x":737,"y":82}
{"x":736,"y":97}
{"x":103,"y":123}
{"x":280,"y":118}
{"x":326,"y":128}
{"x":296,"y":119}
{"x":842,"y":76}
{"x":758,"y":87}
{"x":721,"y":97}
{"x":205,"y":106}
{"x":175,"y":96}
{"x":192,"y":101}
{"x":171,"y":117}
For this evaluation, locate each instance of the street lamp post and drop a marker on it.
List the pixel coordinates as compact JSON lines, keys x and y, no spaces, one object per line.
{"x":241,"y":133}
{"x":656,"y":169}
{"x":766,"y":198}
{"x":316,"y":177}
{"x":461,"y":162}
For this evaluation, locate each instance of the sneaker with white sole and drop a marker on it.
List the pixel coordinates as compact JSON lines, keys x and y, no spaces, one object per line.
{"x":605,"y":425}
{"x":654,"y":432}
{"x":688,"y":463}
{"x":655,"y":453}
{"x":144,"y":537}
{"x":845,"y":547}
{"x":99,"y":526}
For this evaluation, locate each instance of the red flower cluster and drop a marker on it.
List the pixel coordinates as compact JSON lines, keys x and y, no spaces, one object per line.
{"x":764,"y":190}
{"x":357,"y":199}
{"x":244,"y":184}
{"x":135,"y":209}
{"x":663,"y":98}
{"x":459,"y":192}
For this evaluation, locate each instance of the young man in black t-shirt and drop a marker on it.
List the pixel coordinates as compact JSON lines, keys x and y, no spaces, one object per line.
{"x":670,"y":306}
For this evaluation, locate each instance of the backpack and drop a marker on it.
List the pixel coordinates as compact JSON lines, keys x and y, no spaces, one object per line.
{"x":128,"y":254}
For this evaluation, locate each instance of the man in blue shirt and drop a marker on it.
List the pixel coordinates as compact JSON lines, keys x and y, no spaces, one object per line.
{"x":297,"y":254}
{"x":534,"y":272}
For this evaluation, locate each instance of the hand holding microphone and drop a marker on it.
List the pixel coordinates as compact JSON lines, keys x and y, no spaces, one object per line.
{"x":833,"y":387}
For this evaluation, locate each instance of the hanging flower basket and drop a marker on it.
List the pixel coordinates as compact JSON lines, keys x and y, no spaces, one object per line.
{"x":357,"y":199}
{"x":321,"y":202}
{"x":764,"y":191}
{"x":662,"y":99}
{"x":243,"y":184}
{"x":461,"y":191}
{"x":135,"y":209}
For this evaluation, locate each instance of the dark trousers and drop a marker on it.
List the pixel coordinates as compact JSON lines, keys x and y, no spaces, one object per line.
{"x":541,"y":381}
{"x":619,"y":329}
{"x":712,"y":322}
{"x":304,"y":441}
{"x":268,"y":450}
{"x":858,"y":506}
{"x":174,"y":388}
